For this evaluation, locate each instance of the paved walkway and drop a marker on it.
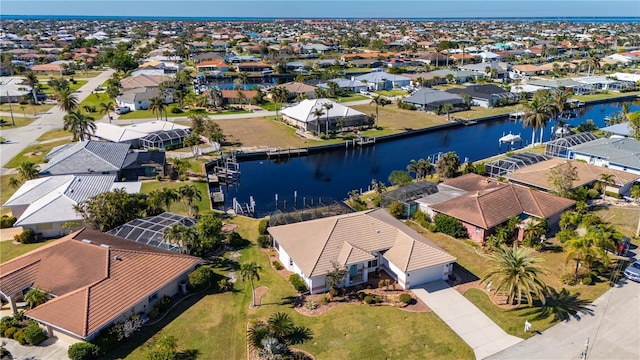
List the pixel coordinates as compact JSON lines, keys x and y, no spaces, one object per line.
{"x":472,"y":325}
{"x":50,"y":349}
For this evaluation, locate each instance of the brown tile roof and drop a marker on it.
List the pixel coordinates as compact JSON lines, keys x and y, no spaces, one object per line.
{"x":492,"y":207}
{"x":314,"y":245}
{"x":233,"y":94}
{"x":143,"y":80}
{"x":537,"y":175}
{"x":94,"y":284}
{"x":473,"y":182}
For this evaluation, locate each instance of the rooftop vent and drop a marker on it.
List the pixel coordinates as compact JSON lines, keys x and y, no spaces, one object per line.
{"x":105,"y":246}
{"x":86,"y":241}
{"x":117,"y":258}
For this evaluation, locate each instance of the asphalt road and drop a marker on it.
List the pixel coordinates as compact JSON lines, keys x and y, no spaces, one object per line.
{"x":19,"y":138}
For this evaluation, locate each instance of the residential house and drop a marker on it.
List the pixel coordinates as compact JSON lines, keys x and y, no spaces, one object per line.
{"x":298,"y":88}
{"x":302,"y":116}
{"x":212,"y":66}
{"x":361,"y":243}
{"x":143,"y":81}
{"x":487,"y":95}
{"x":207,"y":56}
{"x":13,"y":89}
{"x":140,"y":98}
{"x":257,"y":66}
{"x":429,"y":99}
{"x":93,"y":280}
{"x":614,"y":153}
{"x":459,"y":76}
{"x":85,"y":158}
{"x":45,"y":204}
{"x":132,"y":134}
{"x":481,"y":68}
{"x":348,"y":85}
{"x":237,"y":96}
{"x":379,"y":80}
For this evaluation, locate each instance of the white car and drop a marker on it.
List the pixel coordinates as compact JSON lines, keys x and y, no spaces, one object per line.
{"x":633,"y":271}
{"x":122,"y":110}
{"x":365,"y":92}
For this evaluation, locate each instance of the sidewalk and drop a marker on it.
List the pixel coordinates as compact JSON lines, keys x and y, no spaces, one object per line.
{"x":472,"y":325}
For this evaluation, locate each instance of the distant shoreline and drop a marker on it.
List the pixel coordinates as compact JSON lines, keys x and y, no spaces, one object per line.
{"x":586,"y":19}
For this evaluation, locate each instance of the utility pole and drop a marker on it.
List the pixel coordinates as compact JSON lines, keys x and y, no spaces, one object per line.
{"x":13,"y":121}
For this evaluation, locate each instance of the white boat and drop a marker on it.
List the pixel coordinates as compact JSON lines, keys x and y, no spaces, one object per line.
{"x":563,"y":131}
{"x":510,"y":139}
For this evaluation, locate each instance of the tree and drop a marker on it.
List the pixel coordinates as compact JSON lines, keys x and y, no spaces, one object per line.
{"x":379,"y":100}
{"x":515,"y":272}
{"x":33,"y":82}
{"x":182,"y":236}
{"x":562,"y":178}
{"x":168,"y":196}
{"x":27,"y":171}
{"x":557,"y":104}
{"x":35,"y":297}
{"x":583,"y":250}
{"x":335,"y":277}
{"x":192,"y":141}
{"x":449,"y":225}
{"x":66,"y":99}
{"x":79,"y":124}
{"x":327,"y":106}
{"x":14,"y":182}
{"x":157,"y":106}
{"x":251,"y":271}
{"x":213,"y":131}
{"x":189,"y":194}
{"x":215,"y":95}
{"x":210,"y":235}
{"x":113,"y":91}
{"x":448,"y":164}
{"x":593,"y":62}
{"x":279,"y":94}
{"x":110,"y":209}
{"x":165,"y":348}
{"x":536,"y":116}
{"x":107,"y":108}
{"x":604,"y":181}
{"x":634,"y":123}
{"x":400,"y":178}
{"x":635,"y":192}
{"x":447,"y":108}
{"x":317,"y":112}
{"x":181,"y":166}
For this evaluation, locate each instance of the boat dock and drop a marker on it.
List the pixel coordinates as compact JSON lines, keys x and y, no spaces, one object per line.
{"x":277,"y":153}
{"x":361,"y":141}
{"x":515,"y":116}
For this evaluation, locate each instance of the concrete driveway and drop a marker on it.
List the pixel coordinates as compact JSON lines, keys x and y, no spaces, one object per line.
{"x":50,"y":349}
{"x":613,"y":331}
{"x":471,"y":324}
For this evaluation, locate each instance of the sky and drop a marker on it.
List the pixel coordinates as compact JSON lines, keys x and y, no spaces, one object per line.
{"x":326,"y":9}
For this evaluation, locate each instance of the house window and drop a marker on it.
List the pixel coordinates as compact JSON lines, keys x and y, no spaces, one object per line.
{"x":290,"y":262}
{"x":478,"y":229}
{"x":153,"y":297}
{"x":372,"y":263}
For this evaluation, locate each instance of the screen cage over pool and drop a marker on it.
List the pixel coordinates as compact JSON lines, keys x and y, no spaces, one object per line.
{"x":150,"y":230}
{"x":318,"y":211}
{"x":512,"y":163}
{"x":562,"y":147}
{"x":165,"y":139}
{"x":407,"y":195}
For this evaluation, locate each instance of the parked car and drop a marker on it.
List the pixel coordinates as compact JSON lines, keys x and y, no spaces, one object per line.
{"x":122,"y":110}
{"x":365,"y":92}
{"x":633,"y":271}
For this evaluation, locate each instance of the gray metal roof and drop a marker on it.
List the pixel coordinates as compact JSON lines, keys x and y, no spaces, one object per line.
{"x":86,"y":156}
{"x":379,"y":76}
{"x":624,"y":152}
{"x":622,"y":129}
{"x":432,"y":96}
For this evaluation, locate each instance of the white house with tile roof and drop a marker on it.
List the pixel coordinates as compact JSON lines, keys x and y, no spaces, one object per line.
{"x":303,"y":116}
{"x":362,"y":243}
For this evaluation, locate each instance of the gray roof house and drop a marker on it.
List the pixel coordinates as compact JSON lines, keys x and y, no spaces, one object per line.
{"x":380,"y":80}
{"x":351,"y":85}
{"x":45,"y":204}
{"x":615,"y":153}
{"x":86,"y":157}
{"x":431,"y":99}
{"x":140,"y":98}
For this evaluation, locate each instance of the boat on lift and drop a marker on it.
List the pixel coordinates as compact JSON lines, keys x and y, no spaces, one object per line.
{"x":510,"y":138}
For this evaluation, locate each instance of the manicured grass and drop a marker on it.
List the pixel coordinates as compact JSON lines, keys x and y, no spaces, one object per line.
{"x":28,"y":109}
{"x":146,"y":114}
{"x":625,"y":219}
{"x":94,"y":100}
{"x":260,"y":132}
{"x":9,"y":250}
{"x":177,"y":207}
{"x":478,"y":112}
{"x":19,"y":121}
{"x":345,"y":332}
{"x":43,"y":149}
{"x":391,"y":92}
{"x":398,"y":120}
{"x":354,"y":97}
{"x":49,"y":91}
{"x":449,"y":86}
{"x":54,"y":134}
{"x":601,"y":96}
{"x":271,"y":106}
{"x":357,"y":70}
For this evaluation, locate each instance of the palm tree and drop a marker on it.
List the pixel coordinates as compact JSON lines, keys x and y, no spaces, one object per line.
{"x":35,"y":297}
{"x":317,"y":112}
{"x":79,"y":124}
{"x":251,"y":271}
{"x":583,"y":250}
{"x":557,"y":104}
{"x":178,"y":97}
{"x":14,"y":182}
{"x":215,"y":95}
{"x":28,"y":170}
{"x":448,"y":164}
{"x":280,"y":325}
{"x":414,"y":167}
{"x":593,"y":63}
{"x":168,"y":196}
{"x":515,"y":272}
{"x":604,"y":181}
{"x":189,"y":194}
{"x":379,"y":100}
{"x":536,"y":116}
{"x":244,"y":78}
{"x":67,"y":100}
{"x":157,"y":106}
{"x":447,"y":108}
{"x":107,"y":108}
{"x":328,"y":106}
{"x":32,"y":81}
{"x":279,"y":94}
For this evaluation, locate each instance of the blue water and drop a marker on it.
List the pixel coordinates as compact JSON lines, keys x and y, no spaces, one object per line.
{"x":333,"y":174}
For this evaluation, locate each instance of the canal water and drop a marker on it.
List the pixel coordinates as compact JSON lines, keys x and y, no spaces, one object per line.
{"x":333,"y":174}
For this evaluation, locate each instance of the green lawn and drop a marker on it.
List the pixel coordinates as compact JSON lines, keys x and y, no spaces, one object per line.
{"x":6,"y":191}
{"x":94,"y":100}
{"x":9,"y":250}
{"x":345,"y":332}
{"x":203,"y":204}
{"x":145,"y":114}
{"x":601,"y":96}
{"x":49,"y":91}
{"x":394,"y":92}
{"x":19,"y":121}
{"x":271,"y":106}
{"x":354,"y":97}
{"x":28,"y":109}
{"x":37,"y":153}
{"x":54,"y":134}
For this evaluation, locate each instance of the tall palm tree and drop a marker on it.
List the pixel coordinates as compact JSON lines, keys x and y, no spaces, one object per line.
{"x":107,"y":108}
{"x":317,"y":112}
{"x":32,"y":81}
{"x":215,"y":95}
{"x":557,"y":104}
{"x":28,"y":170}
{"x":447,"y":108}
{"x":593,"y":62}
{"x":244,"y":78}
{"x":251,"y":271}
{"x":35,"y":297}
{"x":515,"y":272}
{"x":67,"y":99}
{"x":379,"y":100}
{"x":157,"y":106}
{"x":328,"y":106}
{"x":189,"y":194}
{"x":604,"y":181}
{"x":79,"y":124}
{"x":536,"y":116}
{"x":169,"y":196}
{"x":584,"y":250}
{"x":14,"y":182}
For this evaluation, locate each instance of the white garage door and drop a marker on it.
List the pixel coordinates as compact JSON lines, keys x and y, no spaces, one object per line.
{"x":419,"y":277}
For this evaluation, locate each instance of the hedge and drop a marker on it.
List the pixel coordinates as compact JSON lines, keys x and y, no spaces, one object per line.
{"x":83,"y":351}
{"x":298,"y":283}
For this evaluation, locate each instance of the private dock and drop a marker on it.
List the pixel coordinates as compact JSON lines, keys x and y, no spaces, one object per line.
{"x":278,"y":153}
{"x":361,"y":141}
{"x":515,"y":116}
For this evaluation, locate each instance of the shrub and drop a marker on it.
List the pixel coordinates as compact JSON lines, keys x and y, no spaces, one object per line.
{"x":7,"y":221}
{"x":324,"y":300}
{"x":264,"y":241}
{"x":298,"y":283}
{"x":587,"y":280}
{"x":19,"y":337}
{"x":368,"y":300}
{"x":592,"y":193}
{"x":421,"y":218}
{"x":235,"y":240}
{"x":27,"y":236}
{"x":613,"y":195}
{"x":380,"y":284}
{"x":34,"y":334}
{"x":83,"y":351}
{"x":9,"y":332}
{"x":277,"y":265}
{"x":200,"y":277}
{"x":176,"y":110}
{"x":405,"y":298}
{"x":396,"y":210}
{"x":568,"y":278}
{"x":311,"y":304}
{"x":262,"y":226}
{"x":450,"y":226}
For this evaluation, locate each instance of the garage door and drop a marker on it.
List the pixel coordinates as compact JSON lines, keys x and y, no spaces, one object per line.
{"x":419,"y":277}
